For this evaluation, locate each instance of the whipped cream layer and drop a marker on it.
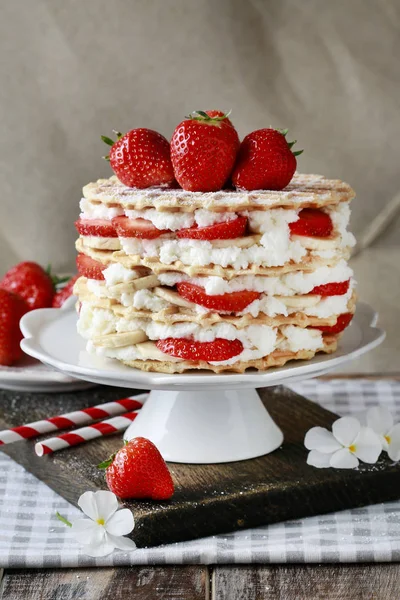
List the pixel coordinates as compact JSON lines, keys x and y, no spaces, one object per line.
{"x":273,"y":246}
{"x":258,"y":340}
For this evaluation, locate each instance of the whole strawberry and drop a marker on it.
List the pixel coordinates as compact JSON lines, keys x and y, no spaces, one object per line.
{"x":141,"y":158}
{"x":265,"y":161}
{"x":30,"y":281}
{"x":138,"y":471}
{"x":12,"y":309}
{"x":63,"y":295}
{"x":203,"y":151}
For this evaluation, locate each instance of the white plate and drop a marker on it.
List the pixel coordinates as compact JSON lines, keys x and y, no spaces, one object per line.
{"x":51,"y":337}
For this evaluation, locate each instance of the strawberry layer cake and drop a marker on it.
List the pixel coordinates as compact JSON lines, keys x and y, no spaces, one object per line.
{"x":210,"y":254}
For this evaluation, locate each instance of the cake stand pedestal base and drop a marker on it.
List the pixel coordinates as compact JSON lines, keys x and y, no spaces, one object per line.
{"x":214,"y":426}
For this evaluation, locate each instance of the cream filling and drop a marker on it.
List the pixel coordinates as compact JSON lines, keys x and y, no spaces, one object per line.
{"x":258,"y":340}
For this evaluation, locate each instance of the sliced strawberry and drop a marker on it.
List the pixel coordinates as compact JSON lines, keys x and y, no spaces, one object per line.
{"x":312,"y":222}
{"x":137,"y":228}
{"x":235,"y":302}
{"x":88,"y":267}
{"x":97,"y":227}
{"x":332,"y":289}
{"x":342,"y":322}
{"x":219,"y":231}
{"x":217,"y":350}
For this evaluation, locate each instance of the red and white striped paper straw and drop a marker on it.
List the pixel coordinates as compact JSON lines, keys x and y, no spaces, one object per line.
{"x":84,"y":434}
{"x":78,"y":417}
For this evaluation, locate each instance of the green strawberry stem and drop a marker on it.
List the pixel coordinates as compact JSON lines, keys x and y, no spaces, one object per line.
{"x":106,"y":463}
{"x":284,"y":132}
{"x":200,"y":115}
{"x":56,"y":280}
{"x":107,"y":140}
{"x":63,"y":519}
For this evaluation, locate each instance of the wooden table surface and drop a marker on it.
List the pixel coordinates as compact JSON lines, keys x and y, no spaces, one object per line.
{"x":200,"y":582}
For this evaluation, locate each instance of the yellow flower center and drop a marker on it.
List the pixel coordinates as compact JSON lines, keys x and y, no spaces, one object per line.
{"x":388,"y":438}
{"x":100,"y":521}
{"x":352,"y":448}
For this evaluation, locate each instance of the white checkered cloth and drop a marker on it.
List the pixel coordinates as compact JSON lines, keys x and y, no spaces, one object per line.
{"x":31,"y":536}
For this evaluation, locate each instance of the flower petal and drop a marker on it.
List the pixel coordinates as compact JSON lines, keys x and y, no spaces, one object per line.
{"x":380,"y":419}
{"x":98,"y":549}
{"x":87,"y":503}
{"x":318,"y":459}
{"x":107,"y":504}
{"x":319,"y":438}
{"x":346,"y":430}
{"x":394,"y":445}
{"x":123,"y":543}
{"x":87,"y":531}
{"x":121,"y":522}
{"x":344,"y":459}
{"x":368,"y":445}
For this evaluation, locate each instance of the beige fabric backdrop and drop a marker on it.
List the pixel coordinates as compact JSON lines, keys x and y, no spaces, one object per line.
{"x":73,"y":69}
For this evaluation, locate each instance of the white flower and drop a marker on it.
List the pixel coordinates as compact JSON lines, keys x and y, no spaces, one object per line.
{"x":102,"y":532}
{"x":381,"y":421}
{"x":344,"y":447}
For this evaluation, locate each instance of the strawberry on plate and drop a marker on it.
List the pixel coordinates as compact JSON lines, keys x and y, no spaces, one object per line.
{"x":141,"y":158}
{"x":203,"y":151}
{"x":331,"y":289}
{"x":138,"y":471}
{"x":342,"y":322}
{"x":139,"y":228}
{"x":219,"y":231}
{"x":30,"y":281}
{"x":234,"y":302}
{"x":89,"y":267}
{"x":187,"y":349}
{"x":12,"y":309}
{"x":63,"y":295}
{"x":96,"y":227}
{"x":265,"y":161}
{"x":312,"y":222}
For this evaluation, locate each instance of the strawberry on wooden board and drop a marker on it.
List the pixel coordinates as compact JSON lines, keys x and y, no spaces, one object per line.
{"x":138,"y":471}
{"x":141,"y":158}
{"x":64,"y":293}
{"x":12,"y":309}
{"x":265,"y":161}
{"x":203,"y":151}
{"x":342,"y":322}
{"x":30,"y":281}
{"x":234,"y":302}
{"x":89,"y":267}
{"x":332,"y":289}
{"x":218,"y":231}
{"x":96,"y":227}
{"x":312,"y":222}
{"x":139,"y":228}
{"x":187,"y":349}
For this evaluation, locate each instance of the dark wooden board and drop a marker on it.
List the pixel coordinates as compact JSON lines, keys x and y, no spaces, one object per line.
{"x":209,"y":499}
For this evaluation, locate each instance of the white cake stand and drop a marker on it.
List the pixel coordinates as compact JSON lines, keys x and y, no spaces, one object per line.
{"x":196,"y":417}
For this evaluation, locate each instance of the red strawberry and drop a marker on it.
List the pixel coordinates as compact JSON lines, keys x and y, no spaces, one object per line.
{"x":88,"y":267}
{"x":97,"y":227}
{"x":31,"y":282}
{"x":219,"y":349}
{"x":141,"y":158}
{"x":312,"y":222}
{"x":332,"y":289}
{"x":139,"y":228}
{"x":219,"y":231}
{"x":12,"y":309}
{"x":203,"y":151}
{"x":64,"y":293}
{"x":265,"y":161}
{"x":342,"y":322}
{"x":138,"y":471}
{"x":235,"y":302}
